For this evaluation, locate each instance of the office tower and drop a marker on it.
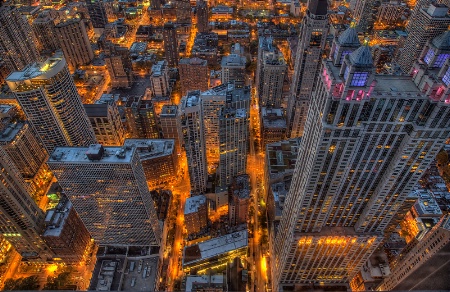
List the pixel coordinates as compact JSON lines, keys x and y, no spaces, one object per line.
{"x":108,"y":189}
{"x":202,"y":16}
{"x":233,"y":69}
{"x":45,"y":31}
{"x":141,"y":118}
{"x":159,"y":80}
{"x":434,"y":54}
{"x":17,"y":42}
{"x":428,"y":23}
{"x":21,"y":220}
{"x":194,"y":75}
{"x":65,"y":233}
{"x":191,"y":118}
{"x":183,"y":11}
{"x":106,"y":123}
{"x":390,"y":11}
{"x":21,"y":144}
{"x":233,"y":143}
{"x":425,"y":266}
{"x":213,"y":100}
{"x":240,"y":190}
{"x":97,"y":13}
{"x":307,"y":63}
{"x":170,"y":44}
{"x":270,"y":73}
{"x":74,"y":42}
{"x":367,"y":141}
{"x":195,"y":214}
{"x":48,"y":96}
{"x":156,"y":154}
{"x":273,"y":125}
{"x":118,"y":62}
{"x":169,"y":123}
{"x":417,"y":6}
{"x":364,"y":15}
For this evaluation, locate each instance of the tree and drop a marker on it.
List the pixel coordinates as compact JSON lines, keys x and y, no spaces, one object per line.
{"x":58,"y":282}
{"x":442,"y":158}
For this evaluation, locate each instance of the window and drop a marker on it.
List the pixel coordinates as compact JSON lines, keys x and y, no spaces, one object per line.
{"x":344,"y":53}
{"x":359,"y":79}
{"x":429,"y":56}
{"x":316,"y":39}
{"x":440,"y":60}
{"x":446,"y":78}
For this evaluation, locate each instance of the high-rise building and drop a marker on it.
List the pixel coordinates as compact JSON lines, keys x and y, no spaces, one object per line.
{"x":118,"y":62}
{"x":97,"y":13}
{"x":183,"y":11}
{"x":233,"y":69}
{"x":141,"y":118}
{"x":196,"y":214}
{"x":233,"y":143}
{"x":106,"y":123}
{"x":428,"y":23}
{"x":169,"y":123}
{"x":159,"y":80}
{"x":273,"y":125}
{"x":389,"y":12}
{"x":65,"y":233}
{"x":202,"y":16}
{"x":108,"y":189}
{"x":310,"y":48}
{"x":17,"y":41}
{"x":194,"y":75}
{"x":365,"y":147}
{"x":213,"y":100}
{"x":48,"y":96}
{"x":21,"y":219}
{"x":270,"y":73}
{"x":191,"y":119}
{"x":45,"y":31}
{"x":417,"y":6}
{"x":239,"y":202}
{"x":74,"y":42}
{"x":364,"y":15}
{"x":170,"y":44}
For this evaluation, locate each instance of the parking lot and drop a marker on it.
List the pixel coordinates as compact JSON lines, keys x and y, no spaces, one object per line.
{"x":140,"y":275}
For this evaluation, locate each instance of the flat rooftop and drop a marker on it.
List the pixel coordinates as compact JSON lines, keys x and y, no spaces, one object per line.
{"x":10,"y":132}
{"x":193,"y":204}
{"x":204,"y":279}
{"x":151,"y":148}
{"x":281,"y":157}
{"x":112,"y":154}
{"x":169,"y":110}
{"x":44,"y":70}
{"x":214,"y":247}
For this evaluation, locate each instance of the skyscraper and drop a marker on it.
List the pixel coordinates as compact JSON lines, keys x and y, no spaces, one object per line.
{"x":106,"y":123}
{"x":108,"y":189}
{"x":191,"y":118}
{"x":48,"y":96}
{"x":233,"y":67}
{"x":270,"y":72}
{"x":183,"y":11}
{"x":45,"y":31}
{"x":170,"y":44}
{"x":17,"y":42}
{"x":309,"y":53}
{"x":233,"y":141}
{"x":170,"y":124}
{"x":97,"y":13}
{"x":428,"y":23}
{"x":202,"y":16}
{"x":118,"y":62}
{"x":141,"y":118}
{"x":194,"y":75}
{"x":367,"y":141}
{"x":21,"y":220}
{"x":364,"y":15}
{"x":159,"y":80}
{"x":74,"y":42}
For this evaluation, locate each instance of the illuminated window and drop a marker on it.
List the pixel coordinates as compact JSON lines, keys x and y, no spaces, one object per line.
{"x":359,"y":79}
{"x":429,"y":56}
{"x":446,"y":78}
{"x":441,"y":60}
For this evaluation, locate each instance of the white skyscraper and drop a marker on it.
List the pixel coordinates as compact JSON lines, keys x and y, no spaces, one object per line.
{"x":108,"y":189}
{"x":193,"y":139}
{"x":368,"y":139}
{"x":311,"y":43}
{"x":48,"y":96}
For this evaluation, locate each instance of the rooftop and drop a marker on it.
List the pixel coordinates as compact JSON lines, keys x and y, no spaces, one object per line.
{"x":241,"y":186}
{"x":234,"y":60}
{"x":193,"y":61}
{"x":44,"y":70}
{"x":169,"y":110}
{"x":159,"y":68}
{"x":281,"y":157}
{"x":10,"y":132}
{"x":96,"y":110}
{"x":96,"y":152}
{"x":215,"y":247}
{"x":193,"y":204}
{"x":151,"y":148}
{"x":191,"y":281}
{"x":56,"y":218}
